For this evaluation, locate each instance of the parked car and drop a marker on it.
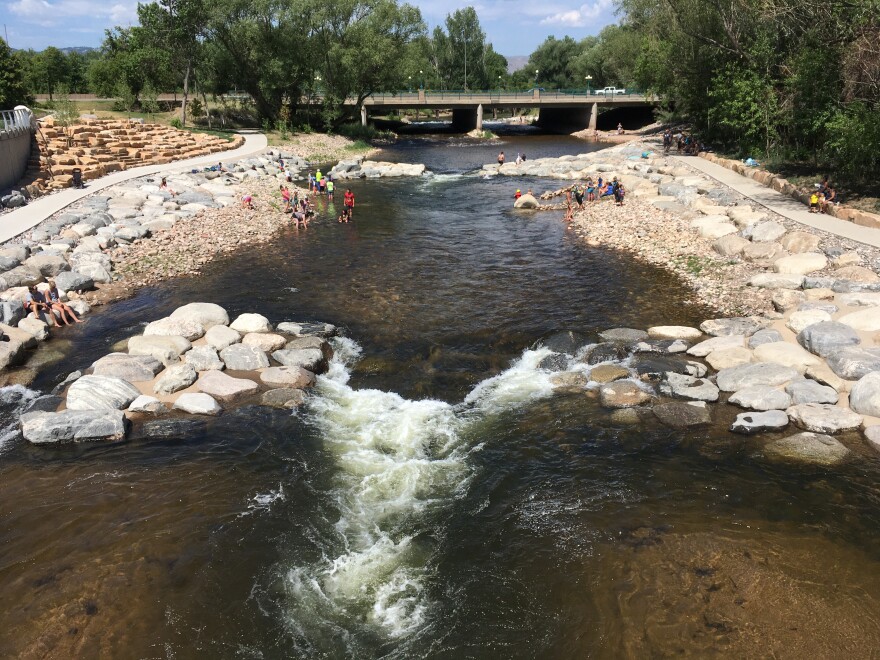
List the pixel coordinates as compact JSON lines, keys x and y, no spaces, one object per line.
{"x":610,"y":91}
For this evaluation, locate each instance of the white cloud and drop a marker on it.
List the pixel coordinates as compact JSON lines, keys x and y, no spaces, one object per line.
{"x":580,"y":17}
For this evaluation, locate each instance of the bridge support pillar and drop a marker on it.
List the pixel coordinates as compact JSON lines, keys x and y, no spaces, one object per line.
{"x":479,"y":126}
{"x":363,"y":115}
{"x":594,"y":115}
{"x":464,"y":119}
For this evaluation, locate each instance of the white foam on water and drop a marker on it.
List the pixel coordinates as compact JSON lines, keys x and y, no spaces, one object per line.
{"x":398,"y":460}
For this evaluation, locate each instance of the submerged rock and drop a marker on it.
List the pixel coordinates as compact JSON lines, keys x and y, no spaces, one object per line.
{"x":622,"y":394}
{"x":607,"y":373}
{"x":808,"y":448}
{"x":624,"y":335}
{"x":283,"y":397}
{"x":682,"y":415}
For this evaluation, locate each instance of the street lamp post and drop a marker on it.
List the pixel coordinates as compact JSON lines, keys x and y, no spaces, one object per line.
{"x":421,"y":79}
{"x":409,"y":84}
{"x":588,"y":79}
{"x":536,"y":77}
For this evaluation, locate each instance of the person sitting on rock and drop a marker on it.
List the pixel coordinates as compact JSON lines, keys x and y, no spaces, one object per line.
{"x":53,"y":297}
{"x":35,"y":302}
{"x":164,"y":186}
{"x":247,"y":202}
{"x":830,"y":197}
{"x":814,"y":202}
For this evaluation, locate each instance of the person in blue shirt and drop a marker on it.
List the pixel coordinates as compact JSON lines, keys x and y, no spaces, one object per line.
{"x":36,"y":302}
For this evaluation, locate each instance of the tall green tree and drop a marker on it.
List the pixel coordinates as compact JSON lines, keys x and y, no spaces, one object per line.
{"x":12,"y":88}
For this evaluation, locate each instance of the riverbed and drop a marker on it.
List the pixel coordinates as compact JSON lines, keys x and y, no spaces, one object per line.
{"x":433,"y":498}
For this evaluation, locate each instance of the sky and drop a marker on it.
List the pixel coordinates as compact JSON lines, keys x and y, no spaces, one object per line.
{"x":514,"y":27}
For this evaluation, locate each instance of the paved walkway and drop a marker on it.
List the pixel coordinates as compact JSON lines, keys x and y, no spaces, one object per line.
{"x":20,"y":220}
{"x":782,"y":204}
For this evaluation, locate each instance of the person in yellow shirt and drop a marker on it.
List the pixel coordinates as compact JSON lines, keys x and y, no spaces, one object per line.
{"x":814,"y":202}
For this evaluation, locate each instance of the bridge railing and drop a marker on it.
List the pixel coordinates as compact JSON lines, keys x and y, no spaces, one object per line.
{"x":498,"y":96}
{"x":14,"y":122}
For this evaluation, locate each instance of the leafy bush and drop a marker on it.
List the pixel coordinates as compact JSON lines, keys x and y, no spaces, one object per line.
{"x":355,"y":131}
{"x":853,"y":139}
{"x":175,"y":123}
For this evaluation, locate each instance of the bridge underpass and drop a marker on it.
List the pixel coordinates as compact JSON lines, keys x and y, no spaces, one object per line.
{"x":558,"y":111}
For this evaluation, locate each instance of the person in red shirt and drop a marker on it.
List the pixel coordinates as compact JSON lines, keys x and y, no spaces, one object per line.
{"x":517,"y":195}
{"x":348,"y":202}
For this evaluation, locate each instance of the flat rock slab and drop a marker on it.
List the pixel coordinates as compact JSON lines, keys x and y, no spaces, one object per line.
{"x":800,"y":320}
{"x":866,"y":320}
{"x":751,"y":423}
{"x":809,"y":391}
{"x":801,"y":264}
{"x":717,"y":344}
{"x":624,"y":335}
{"x":766,"y":231}
{"x":197,"y":403}
{"x":607,"y":373}
{"x":170,"y":327}
{"x":100,"y":393}
{"x":324,"y":346}
{"x":815,"y":448}
{"x":776,"y":281}
{"x":823,"y":418}
{"x":147,"y":404}
{"x":674,"y":332}
{"x":299,"y":378}
{"x":854,"y":362}
{"x":729,"y":357}
{"x":688,"y":387}
{"x":764,"y":337}
{"x":74,"y":426}
{"x":307,"y":329}
{"x":207,"y":315}
{"x":788,"y":355}
{"x":622,"y":394}
{"x":239,"y":357}
{"x":760,"y":397}
{"x":762,"y":373}
{"x":727,"y":327}
{"x":283,"y":397}
{"x":133,"y":368}
{"x":826,"y":337}
{"x":224,"y":387}
{"x":682,"y":415}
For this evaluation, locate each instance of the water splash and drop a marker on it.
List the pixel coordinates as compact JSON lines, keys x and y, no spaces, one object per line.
{"x":398,"y":461}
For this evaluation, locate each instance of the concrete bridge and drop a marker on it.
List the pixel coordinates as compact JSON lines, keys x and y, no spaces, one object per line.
{"x":564,"y":110}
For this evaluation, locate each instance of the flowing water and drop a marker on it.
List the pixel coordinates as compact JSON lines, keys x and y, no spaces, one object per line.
{"x":433,"y":497}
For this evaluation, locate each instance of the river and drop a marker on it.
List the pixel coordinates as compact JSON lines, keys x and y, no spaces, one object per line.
{"x":433,"y":498}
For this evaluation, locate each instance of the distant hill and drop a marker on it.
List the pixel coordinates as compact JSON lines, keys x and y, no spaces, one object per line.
{"x":516,"y":62}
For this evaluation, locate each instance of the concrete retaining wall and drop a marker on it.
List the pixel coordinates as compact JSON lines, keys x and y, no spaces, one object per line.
{"x":16,"y":128}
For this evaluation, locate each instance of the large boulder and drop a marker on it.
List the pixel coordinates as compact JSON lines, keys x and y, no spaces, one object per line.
{"x":624,"y":335}
{"x":225,"y":388}
{"x":36,"y":327}
{"x":204,"y":358}
{"x":682,"y":415}
{"x":295,"y":377}
{"x":175,"y":378}
{"x":607,"y":373}
{"x":809,"y":391}
{"x":622,"y":394}
{"x":147,"y":404}
{"x":760,"y":397}
{"x":100,"y":393}
{"x":165,"y":349}
{"x":11,"y":352}
{"x":800,"y":264}
{"x":219,"y":336}
{"x":814,"y":448}
{"x":95,"y":272}
{"x":750,"y":423}
{"x":170,"y":327}
{"x":776,"y":281}
{"x":823,"y":418}
{"x":764,"y":337}
{"x":786,"y":299}
{"x":864,"y":398}
{"x":307,"y":328}
{"x":526,"y":202}
{"x":799,"y":242}
{"x":857,"y":274}
{"x":74,"y":426}
{"x":730,"y":245}
{"x":310,"y":359}
{"x":73,"y":281}
{"x":197,"y":403}
{"x":866,"y":320}
{"x":766,"y":231}
{"x":726,"y":327}
{"x":805,"y":318}
{"x":729,"y":357}
{"x":265,"y":341}
{"x":283,"y":397}
{"x":47,"y":264}
{"x":748,"y":375}
{"x":206,"y":315}
{"x":788,"y":355}
{"x":683,"y":386}
{"x":246,"y":323}
{"x":239,"y":357}
{"x":324,"y":346}
{"x":826,"y":337}
{"x":133,"y":368}
{"x":854,"y":362}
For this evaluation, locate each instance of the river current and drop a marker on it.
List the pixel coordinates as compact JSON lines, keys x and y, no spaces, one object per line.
{"x":433,"y":497}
